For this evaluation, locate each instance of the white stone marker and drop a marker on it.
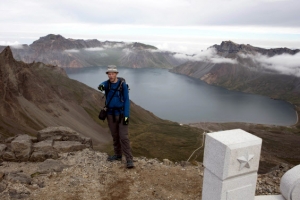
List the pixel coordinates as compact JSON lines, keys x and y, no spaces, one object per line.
{"x":231,"y":160}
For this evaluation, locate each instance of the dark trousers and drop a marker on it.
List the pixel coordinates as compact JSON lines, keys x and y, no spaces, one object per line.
{"x":119,"y":133}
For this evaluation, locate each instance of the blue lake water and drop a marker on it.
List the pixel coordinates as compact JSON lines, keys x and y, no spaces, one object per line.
{"x":186,"y":100}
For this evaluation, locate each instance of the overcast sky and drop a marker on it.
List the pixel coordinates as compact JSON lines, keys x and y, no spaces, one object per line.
{"x":177,"y":25}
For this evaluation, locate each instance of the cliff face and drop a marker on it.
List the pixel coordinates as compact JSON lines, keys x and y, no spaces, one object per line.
{"x":246,"y":73}
{"x":57,"y":50}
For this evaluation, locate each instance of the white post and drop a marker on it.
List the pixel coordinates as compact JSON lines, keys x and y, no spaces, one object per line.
{"x":231,"y":160}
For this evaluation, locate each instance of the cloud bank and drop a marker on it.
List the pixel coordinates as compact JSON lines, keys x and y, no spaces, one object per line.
{"x":15,"y":45}
{"x":285,"y":63}
{"x":72,"y":51}
{"x":209,"y":55}
{"x":94,"y":49}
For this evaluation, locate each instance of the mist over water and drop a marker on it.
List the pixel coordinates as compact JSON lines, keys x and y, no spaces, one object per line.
{"x":186,"y":100}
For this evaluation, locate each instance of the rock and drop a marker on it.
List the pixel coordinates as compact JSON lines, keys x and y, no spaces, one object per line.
{"x":43,"y":150}
{"x":88,"y":142}
{"x":68,"y":146}
{"x":46,"y":145}
{"x":167,"y":162}
{"x":2,"y":186}
{"x":51,"y":165}
{"x":9,"y":156}
{"x":18,"y":195}
{"x":21,"y":146}
{"x":2,"y":149}
{"x":58,"y":133}
{"x":1,"y":176}
{"x":41,"y":156}
{"x":10,"y":139}
{"x":18,"y":177}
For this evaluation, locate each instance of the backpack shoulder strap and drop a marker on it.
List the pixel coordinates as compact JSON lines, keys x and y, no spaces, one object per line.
{"x":122,"y":80}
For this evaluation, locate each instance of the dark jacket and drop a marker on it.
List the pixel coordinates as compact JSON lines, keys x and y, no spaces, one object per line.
{"x":120,"y":102}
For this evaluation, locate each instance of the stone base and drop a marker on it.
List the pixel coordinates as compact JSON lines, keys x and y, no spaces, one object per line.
{"x":236,"y":188}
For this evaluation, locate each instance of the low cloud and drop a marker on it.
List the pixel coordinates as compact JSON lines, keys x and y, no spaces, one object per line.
{"x":209,"y":55}
{"x":127,"y":51}
{"x":285,"y":63}
{"x":72,"y":51}
{"x":103,"y":55}
{"x":94,"y":49}
{"x":15,"y":45}
{"x":117,"y":45}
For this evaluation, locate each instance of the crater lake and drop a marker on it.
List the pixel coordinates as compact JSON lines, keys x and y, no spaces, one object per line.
{"x":187,"y":100}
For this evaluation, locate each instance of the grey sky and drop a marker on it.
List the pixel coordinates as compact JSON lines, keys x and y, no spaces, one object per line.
{"x":170,"y":24}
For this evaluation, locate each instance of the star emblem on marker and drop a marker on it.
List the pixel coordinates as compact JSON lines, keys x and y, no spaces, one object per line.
{"x":245,"y":161}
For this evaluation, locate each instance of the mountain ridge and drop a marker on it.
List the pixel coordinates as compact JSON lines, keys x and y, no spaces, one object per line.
{"x":245,"y":73}
{"x":74,"y":53}
{"x":232,"y":47}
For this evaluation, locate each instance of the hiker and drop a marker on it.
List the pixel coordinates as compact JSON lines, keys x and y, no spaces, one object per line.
{"x":117,"y":103}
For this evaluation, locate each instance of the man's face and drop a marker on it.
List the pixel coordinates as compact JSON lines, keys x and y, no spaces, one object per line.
{"x":112,"y":76}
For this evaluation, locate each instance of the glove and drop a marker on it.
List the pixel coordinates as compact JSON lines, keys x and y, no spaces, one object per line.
{"x":126,"y":121}
{"x":101,"y":87}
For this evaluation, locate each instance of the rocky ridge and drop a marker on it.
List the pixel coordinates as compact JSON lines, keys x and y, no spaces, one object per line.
{"x":229,"y":47}
{"x":74,"y":53}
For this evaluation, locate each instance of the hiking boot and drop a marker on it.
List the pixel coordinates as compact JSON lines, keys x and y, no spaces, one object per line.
{"x":114,"y":158}
{"x":130,"y":164}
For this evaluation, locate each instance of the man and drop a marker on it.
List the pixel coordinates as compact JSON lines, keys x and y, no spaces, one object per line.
{"x":116,"y":92}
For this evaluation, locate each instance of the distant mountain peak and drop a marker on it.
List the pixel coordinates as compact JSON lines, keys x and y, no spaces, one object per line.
{"x":139,"y":45}
{"x":52,"y":37}
{"x":7,"y":53}
{"x":230,"y":47}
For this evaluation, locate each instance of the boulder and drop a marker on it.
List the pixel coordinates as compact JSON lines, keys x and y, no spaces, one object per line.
{"x":88,"y":142}
{"x":21,"y":146}
{"x":46,"y":145}
{"x":2,"y":186}
{"x":167,"y":162}
{"x":1,"y":176}
{"x":68,"y":146}
{"x":2,"y":149}
{"x":42,"y":151}
{"x":18,"y":177}
{"x":51,"y":165}
{"x":15,"y":194}
{"x":9,"y":156}
{"x":10,"y":139}
{"x":40,"y":156}
{"x":58,"y":134}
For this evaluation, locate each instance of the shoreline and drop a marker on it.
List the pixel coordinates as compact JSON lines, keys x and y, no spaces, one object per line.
{"x":297,"y":110}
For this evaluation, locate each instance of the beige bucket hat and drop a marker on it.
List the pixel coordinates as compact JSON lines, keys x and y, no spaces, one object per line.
{"x":111,"y":68}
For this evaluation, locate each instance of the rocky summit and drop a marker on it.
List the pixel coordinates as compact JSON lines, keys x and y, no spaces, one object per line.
{"x":86,"y":174}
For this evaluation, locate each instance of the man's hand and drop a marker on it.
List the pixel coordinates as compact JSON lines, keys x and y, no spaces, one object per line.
{"x":126,"y":121}
{"x":101,"y":87}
